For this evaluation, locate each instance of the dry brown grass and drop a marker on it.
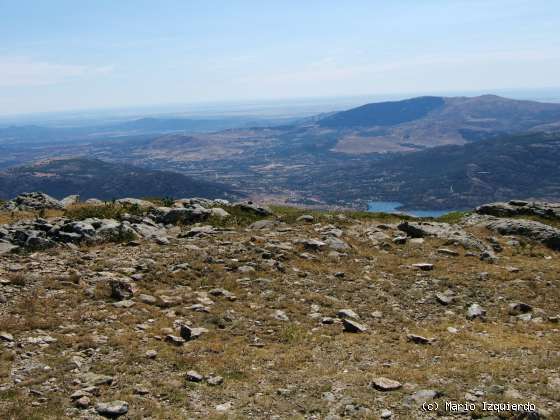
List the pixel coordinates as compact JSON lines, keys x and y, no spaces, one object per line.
{"x":302,"y":357}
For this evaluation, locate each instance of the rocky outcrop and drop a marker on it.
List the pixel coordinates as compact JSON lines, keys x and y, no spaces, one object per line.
{"x":151,"y":224}
{"x":180,"y":215}
{"x":453,"y":234}
{"x":32,"y":201}
{"x":521,"y":208}
{"x":536,"y":231}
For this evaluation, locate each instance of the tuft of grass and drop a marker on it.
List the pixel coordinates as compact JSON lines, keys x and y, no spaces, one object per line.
{"x":452,"y":217}
{"x":106,"y":211}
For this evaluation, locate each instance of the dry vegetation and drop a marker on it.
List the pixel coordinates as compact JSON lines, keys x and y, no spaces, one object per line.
{"x":296,"y":368}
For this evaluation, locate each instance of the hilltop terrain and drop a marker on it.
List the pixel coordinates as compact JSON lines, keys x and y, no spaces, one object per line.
{"x":211,"y":309}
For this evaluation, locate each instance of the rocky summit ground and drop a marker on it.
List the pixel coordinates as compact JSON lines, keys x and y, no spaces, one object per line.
{"x":198,"y":309}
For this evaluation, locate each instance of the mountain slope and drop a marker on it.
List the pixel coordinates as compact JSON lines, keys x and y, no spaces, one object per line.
{"x":104,"y":180}
{"x":454,"y":176}
{"x":384,"y":113}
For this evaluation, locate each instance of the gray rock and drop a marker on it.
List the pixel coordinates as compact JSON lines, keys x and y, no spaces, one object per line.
{"x":385,"y":384}
{"x":453,"y":234}
{"x":545,"y":234}
{"x":347,"y":314}
{"x":521,"y":208}
{"x":219,"y":213}
{"x":70,"y":200}
{"x":448,"y":252}
{"x":194,"y":376}
{"x":151,"y":354}
{"x":475,"y":311}
{"x":444,"y":298}
{"x":424,"y":266}
{"x":281,"y":315}
{"x":418,"y":339}
{"x":519,"y":308}
{"x":263,"y":224}
{"x":112,"y":409}
{"x":215,"y":380}
{"x":312,"y":244}
{"x":6,"y":336}
{"x":33,"y":201}
{"x":250,"y":207}
{"x":121,"y":289}
{"x":422,"y":396}
{"x":93,"y":379}
{"x":190,"y":333}
{"x":173,"y":339}
{"x":336,"y":244}
{"x":305,"y":218}
{"x":353,"y":326}
{"x":185,"y":215}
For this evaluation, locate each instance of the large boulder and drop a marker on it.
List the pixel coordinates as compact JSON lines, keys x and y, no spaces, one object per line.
{"x":33,"y":201}
{"x":250,"y":207}
{"x":521,"y":208}
{"x":536,"y":231}
{"x":453,"y":234}
{"x":185,"y":215}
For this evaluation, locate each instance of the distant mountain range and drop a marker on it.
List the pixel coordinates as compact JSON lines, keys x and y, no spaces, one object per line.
{"x":93,"y":178}
{"x":430,"y":152}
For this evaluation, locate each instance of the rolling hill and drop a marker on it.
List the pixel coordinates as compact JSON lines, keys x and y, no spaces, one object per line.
{"x":93,"y":178}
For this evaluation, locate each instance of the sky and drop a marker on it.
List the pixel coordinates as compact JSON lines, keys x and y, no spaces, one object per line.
{"x":60,"y":55}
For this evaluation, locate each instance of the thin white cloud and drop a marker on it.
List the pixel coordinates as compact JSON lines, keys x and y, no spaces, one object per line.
{"x":26,"y":72}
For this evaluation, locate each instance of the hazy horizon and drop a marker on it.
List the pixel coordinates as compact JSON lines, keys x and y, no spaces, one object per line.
{"x":63,"y":56}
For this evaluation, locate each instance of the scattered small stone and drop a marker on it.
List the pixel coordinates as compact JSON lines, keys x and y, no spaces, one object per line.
{"x":281,"y":315}
{"x":400,"y":240}
{"x":519,"y":308}
{"x":385,"y":384}
{"x":386,"y":414}
{"x":347,"y":314}
{"x":173,"y":339}
{"x":215,"y":380}
{"x":112,"y":409}
{"x":190,"y":333}
{"x":444,"y":298}
{"x":448,"y":252}
{"x":151,"y":354}
{"x":224,"y":407}
{"x":82,"y":402}
{"x":141,"y":390}
{"x":476,"y":311}
{"x":422,"y":396}
{"x":353,"y":326}
{"x":148,"y":299}
{"x":424,"y":266}
{"x":6,"y":336}
{"x":418,"y":339}
{"x":194,"y":376}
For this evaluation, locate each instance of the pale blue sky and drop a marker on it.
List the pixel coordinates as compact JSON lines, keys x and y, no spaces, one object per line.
{"x":64,"y":55}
